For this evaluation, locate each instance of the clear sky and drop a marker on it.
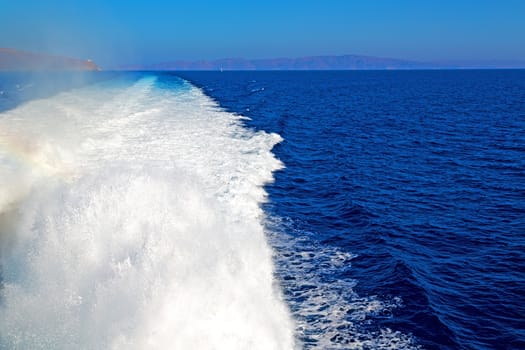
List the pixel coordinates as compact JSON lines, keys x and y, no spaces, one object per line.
{"x":140,"y":31}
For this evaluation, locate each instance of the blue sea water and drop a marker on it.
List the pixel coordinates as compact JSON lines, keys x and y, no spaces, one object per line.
{"x":419,"y":174}
{"x":396,"y":220}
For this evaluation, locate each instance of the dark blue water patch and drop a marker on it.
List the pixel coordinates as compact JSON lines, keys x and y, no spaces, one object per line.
{"x":19,"y":87}
{"x":421,"y":174}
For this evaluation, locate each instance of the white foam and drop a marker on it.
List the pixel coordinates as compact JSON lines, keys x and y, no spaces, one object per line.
{"x":329,"y":313}
{"x":130,"y":219}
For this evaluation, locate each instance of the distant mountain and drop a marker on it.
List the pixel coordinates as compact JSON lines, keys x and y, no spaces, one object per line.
{"x":483,"y":64}
{"x":346,"y":62}
{"x":15,"y":60}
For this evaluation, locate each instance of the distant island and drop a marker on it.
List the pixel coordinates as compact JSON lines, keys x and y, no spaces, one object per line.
{"x":344,"y":62}
{"x":16,"y":60}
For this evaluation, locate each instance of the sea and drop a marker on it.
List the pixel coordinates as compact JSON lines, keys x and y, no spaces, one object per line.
{"x":263,"y":210}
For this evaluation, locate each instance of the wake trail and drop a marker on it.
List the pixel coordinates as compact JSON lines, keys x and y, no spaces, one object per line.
{"x":130,"y":219}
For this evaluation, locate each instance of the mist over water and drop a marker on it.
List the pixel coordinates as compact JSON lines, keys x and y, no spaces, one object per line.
{"x":130,"y":219}
{"x":21,"y":86}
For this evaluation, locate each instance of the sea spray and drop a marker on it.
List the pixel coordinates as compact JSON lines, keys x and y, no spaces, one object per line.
{"x":133,"y":222}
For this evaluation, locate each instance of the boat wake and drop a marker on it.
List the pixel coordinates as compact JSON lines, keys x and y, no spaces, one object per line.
{"x":130,"y":219}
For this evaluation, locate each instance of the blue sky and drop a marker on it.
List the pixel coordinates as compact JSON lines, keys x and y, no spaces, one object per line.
{"x":116,"y":32}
